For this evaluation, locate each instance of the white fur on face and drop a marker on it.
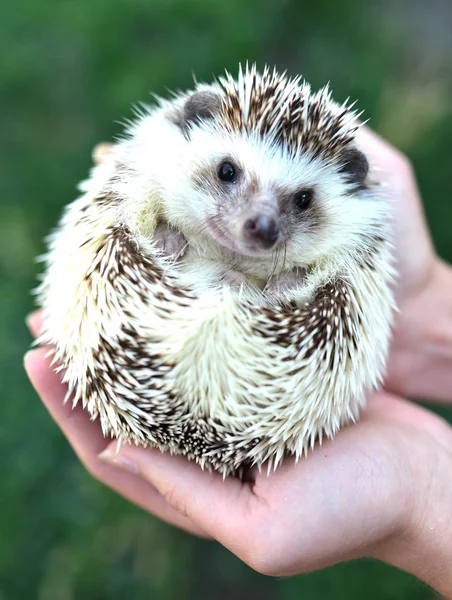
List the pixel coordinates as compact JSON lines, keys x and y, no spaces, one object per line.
{"x":337,"y":220}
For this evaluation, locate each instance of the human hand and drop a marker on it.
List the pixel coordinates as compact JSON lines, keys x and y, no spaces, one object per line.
{"x":420,"y":361}
{"x":381,"y":489}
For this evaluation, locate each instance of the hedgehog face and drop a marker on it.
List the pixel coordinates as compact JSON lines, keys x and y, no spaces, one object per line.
{"x":255,"y":198}
{"x":259,"y":168}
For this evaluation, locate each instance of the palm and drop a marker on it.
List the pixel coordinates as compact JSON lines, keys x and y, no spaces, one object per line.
{"x":351,"y":493}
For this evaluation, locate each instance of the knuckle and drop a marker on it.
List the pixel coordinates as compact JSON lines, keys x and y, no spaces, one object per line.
{"x":442,"y":430}
{"x":175,"y":501}
{"x":96,"y":469}
{"x":260,"y":557}
{"x":402,"y":164}
{"x":262,"y":563}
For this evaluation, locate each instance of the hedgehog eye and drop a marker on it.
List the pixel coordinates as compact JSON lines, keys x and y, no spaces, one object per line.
{"x":227,"y":172}
{"x":303,"y":199}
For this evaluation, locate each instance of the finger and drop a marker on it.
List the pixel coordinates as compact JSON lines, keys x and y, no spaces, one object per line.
{"x":34,"y":323}
{"x":101,"y":151}
{"x":88,"y":442}
{"x":391,"y":161}
{"x":394,"y":171}
{"x":226,"y":509}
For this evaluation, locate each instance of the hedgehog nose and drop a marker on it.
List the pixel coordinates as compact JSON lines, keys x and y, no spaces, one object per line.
{"x":262,"y":229}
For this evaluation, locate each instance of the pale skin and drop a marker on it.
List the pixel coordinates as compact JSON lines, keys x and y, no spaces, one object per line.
{"x":382,"y":488}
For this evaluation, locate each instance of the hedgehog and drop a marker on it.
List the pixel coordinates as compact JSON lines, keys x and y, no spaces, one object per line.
{"x":221,"y":289}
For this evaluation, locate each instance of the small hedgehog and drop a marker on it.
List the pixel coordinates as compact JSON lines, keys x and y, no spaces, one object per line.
{"x":222,"y":288}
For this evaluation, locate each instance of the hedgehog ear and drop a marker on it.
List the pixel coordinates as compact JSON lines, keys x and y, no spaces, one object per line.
{"x":201,"y":106}
{"x":355,"y":165}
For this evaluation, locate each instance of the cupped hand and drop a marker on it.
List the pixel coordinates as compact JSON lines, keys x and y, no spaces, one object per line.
{"x":380,"y":488}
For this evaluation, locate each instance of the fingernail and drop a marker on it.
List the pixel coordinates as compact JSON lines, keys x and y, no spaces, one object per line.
{"x":116,"y":459}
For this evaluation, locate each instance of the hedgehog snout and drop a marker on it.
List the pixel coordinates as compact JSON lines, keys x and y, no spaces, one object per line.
{"x":262,"y":230}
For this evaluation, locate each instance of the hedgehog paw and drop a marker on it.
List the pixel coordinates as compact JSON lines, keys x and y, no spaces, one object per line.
{"x":171,"y":243}
{"x":234,"y":278}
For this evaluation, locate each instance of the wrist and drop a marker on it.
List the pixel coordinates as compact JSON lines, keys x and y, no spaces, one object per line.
{"x":420,"y":363}
{"x":424,"y":546}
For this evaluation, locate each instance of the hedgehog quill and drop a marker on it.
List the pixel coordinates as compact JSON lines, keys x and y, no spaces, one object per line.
{"x":222,"y":287}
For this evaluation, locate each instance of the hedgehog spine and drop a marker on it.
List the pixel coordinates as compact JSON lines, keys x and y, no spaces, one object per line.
{"x":226,"y":377}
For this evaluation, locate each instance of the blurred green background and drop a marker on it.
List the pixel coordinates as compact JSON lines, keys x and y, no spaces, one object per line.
{"x":69,"y":69}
